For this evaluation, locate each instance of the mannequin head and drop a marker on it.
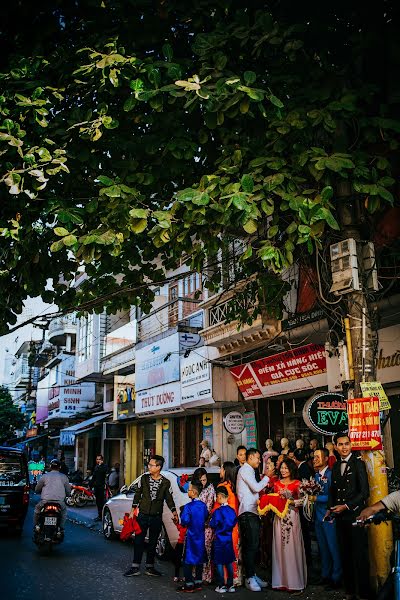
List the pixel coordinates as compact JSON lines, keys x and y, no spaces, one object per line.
{"x":314,"y":444}
{"x":330,"y":447}
{"x":285,"y":445}
{"x":299,"y":444}
{"x":269,"y":444}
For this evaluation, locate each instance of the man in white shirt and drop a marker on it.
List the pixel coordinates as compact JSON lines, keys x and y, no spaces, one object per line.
{"x":248,"y":489}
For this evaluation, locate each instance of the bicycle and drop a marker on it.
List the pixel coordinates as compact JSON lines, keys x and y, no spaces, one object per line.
{"x":391,"y":587}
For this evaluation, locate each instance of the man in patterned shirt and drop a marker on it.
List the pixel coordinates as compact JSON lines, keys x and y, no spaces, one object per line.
{"x":148,"y":503}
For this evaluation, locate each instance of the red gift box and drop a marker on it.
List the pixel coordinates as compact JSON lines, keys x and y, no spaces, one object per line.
{"x":275,"y":502}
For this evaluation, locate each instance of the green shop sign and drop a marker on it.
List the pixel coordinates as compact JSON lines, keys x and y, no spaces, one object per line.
{"x":326,"y":413}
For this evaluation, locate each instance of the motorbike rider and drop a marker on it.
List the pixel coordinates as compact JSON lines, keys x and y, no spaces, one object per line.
{"x":390,"y":502}
{"x":52,"y":487}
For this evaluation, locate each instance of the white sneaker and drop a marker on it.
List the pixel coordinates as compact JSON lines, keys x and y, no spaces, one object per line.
{"x":231,"y":589}
{"x":252,"y":584}
{"x":221,"y":589}
{"x":261,"y":582}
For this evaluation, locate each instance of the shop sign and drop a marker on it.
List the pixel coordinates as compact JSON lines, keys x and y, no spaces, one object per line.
{"x":234,"y":422}
{"x":208,"y":428}
{"x":302,"y":319}
{"x":326,"y":413}
{"x":196,"y":377}
{"x":388,"y":359}
{"x":68,"y":397}
{"x":42,"y":399}
{"x":251,"y":429}
{"x":125,"y":396}
{"x":163,"y":399}
{"x":298,"y":369}
{"x":157,"y":363}
{"x":364,"y":423}
{"x":375,"y":388}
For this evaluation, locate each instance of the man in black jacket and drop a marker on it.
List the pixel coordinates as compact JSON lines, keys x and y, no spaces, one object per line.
{"x":348,"y":495}
{"x":98,"y":482}
{"x":148,"y":503}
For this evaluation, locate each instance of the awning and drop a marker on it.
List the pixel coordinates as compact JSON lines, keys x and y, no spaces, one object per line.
{"x":67,"y":435}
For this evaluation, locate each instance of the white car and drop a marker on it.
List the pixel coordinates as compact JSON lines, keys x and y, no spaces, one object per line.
{"x":116,"y":507}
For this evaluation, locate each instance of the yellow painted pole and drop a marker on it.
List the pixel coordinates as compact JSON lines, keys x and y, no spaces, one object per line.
{"x":159,"y":431}
{"x":380,"y":536}
{"x":349,"y":347}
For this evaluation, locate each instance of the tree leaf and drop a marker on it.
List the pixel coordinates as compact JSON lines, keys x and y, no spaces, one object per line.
{"x":69,"y":240}
{"x":56,"y":246}
{"x":139,"y":213}
{"x":247,"y":183}
{"x":61,"y":231}
{"x":104,"y":180}
{"x":250,"y":226}
{"x":275,"y":101}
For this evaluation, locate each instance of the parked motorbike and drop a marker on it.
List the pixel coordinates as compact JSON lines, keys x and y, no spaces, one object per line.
{"x":80,"y":496}
{"x":48,"y":530}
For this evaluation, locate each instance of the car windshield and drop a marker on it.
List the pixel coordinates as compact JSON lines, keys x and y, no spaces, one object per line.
{"x":11,"y":471}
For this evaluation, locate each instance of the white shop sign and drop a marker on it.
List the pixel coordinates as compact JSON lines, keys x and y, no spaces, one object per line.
{"x":159,"y":400}
{"x":388,"y":358}
{"x":234,"y":422}
{"x":157,"y":363}
{"x":196,"y":377}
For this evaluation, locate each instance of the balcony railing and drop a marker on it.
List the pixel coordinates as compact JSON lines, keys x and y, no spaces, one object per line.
{"x":180,"y":312}
{"x":60,"y":327}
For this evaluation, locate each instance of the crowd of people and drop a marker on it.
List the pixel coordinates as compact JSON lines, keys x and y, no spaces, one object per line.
{"x":224,"y":534}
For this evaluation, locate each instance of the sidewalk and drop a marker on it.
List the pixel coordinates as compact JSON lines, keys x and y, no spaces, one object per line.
{"x":80,"y":516}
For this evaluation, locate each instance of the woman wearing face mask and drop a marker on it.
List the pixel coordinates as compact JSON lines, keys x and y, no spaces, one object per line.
{"x":208,"y":496}
{"x":289,"y":567}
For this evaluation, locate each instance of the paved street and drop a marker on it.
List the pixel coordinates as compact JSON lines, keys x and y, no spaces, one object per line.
{"x":87,"y":566}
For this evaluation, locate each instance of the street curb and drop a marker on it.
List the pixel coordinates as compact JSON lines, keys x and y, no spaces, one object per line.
{"x":77,"y":520}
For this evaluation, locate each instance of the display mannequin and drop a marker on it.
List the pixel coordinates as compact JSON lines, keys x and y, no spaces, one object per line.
{"x":284,"y":446}
{"x":299,"y":444}
{"x":269,"y":445}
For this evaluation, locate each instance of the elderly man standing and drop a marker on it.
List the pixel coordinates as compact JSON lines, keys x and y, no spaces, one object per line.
{"x":247,"y":489}
{"x":325,"y":531}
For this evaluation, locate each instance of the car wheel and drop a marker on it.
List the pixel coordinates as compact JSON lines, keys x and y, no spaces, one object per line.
{"x":164,"y":549}
{"x":108,"y":527}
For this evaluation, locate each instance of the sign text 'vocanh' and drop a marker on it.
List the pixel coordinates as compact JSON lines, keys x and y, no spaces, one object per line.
{"x":298,"y":369}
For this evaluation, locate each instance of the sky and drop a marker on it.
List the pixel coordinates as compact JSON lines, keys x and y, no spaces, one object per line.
{"x":10,"y":343}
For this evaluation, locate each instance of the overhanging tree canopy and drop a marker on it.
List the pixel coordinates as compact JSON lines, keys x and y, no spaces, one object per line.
{"x":131,"y":130}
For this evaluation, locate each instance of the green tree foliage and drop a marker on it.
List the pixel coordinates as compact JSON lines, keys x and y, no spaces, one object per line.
{"x":136,"y":129}
{"x":11,"y":417}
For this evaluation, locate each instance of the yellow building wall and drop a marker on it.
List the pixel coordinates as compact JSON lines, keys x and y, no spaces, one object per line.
{"x":159,"y":436}
{"x":132,"y":453}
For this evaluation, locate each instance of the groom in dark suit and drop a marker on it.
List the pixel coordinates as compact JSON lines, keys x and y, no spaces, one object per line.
{"x":348,"y":495}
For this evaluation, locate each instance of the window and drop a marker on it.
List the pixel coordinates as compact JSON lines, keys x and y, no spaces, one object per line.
{"x":85,"y":341}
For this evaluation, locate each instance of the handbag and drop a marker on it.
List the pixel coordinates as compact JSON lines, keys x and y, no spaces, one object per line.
{"x":130,"y":527}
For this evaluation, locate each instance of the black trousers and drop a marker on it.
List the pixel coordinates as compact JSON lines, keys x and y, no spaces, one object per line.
{"x":353,"y":548}
{"x":153,"y":523}
{"x":99,"y":492}
{"x":249,"y":525}
{"x":188,"y":571}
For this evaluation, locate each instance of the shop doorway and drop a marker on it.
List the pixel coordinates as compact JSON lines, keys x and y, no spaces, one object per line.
{"x":187,"y":435}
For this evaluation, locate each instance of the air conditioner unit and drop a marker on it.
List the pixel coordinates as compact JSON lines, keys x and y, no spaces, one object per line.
{"x":344,"y":267}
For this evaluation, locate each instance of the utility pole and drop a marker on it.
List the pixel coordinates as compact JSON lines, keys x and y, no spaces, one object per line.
{"x":360,"y":336}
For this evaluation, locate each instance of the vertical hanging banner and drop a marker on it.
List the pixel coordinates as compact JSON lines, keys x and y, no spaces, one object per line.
{"x":251,"y":428}
{"x":364,"y":423}
{"x":208,"y":427}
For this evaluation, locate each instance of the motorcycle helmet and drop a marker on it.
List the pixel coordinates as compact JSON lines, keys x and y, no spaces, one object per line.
{"x":55,"y":463}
